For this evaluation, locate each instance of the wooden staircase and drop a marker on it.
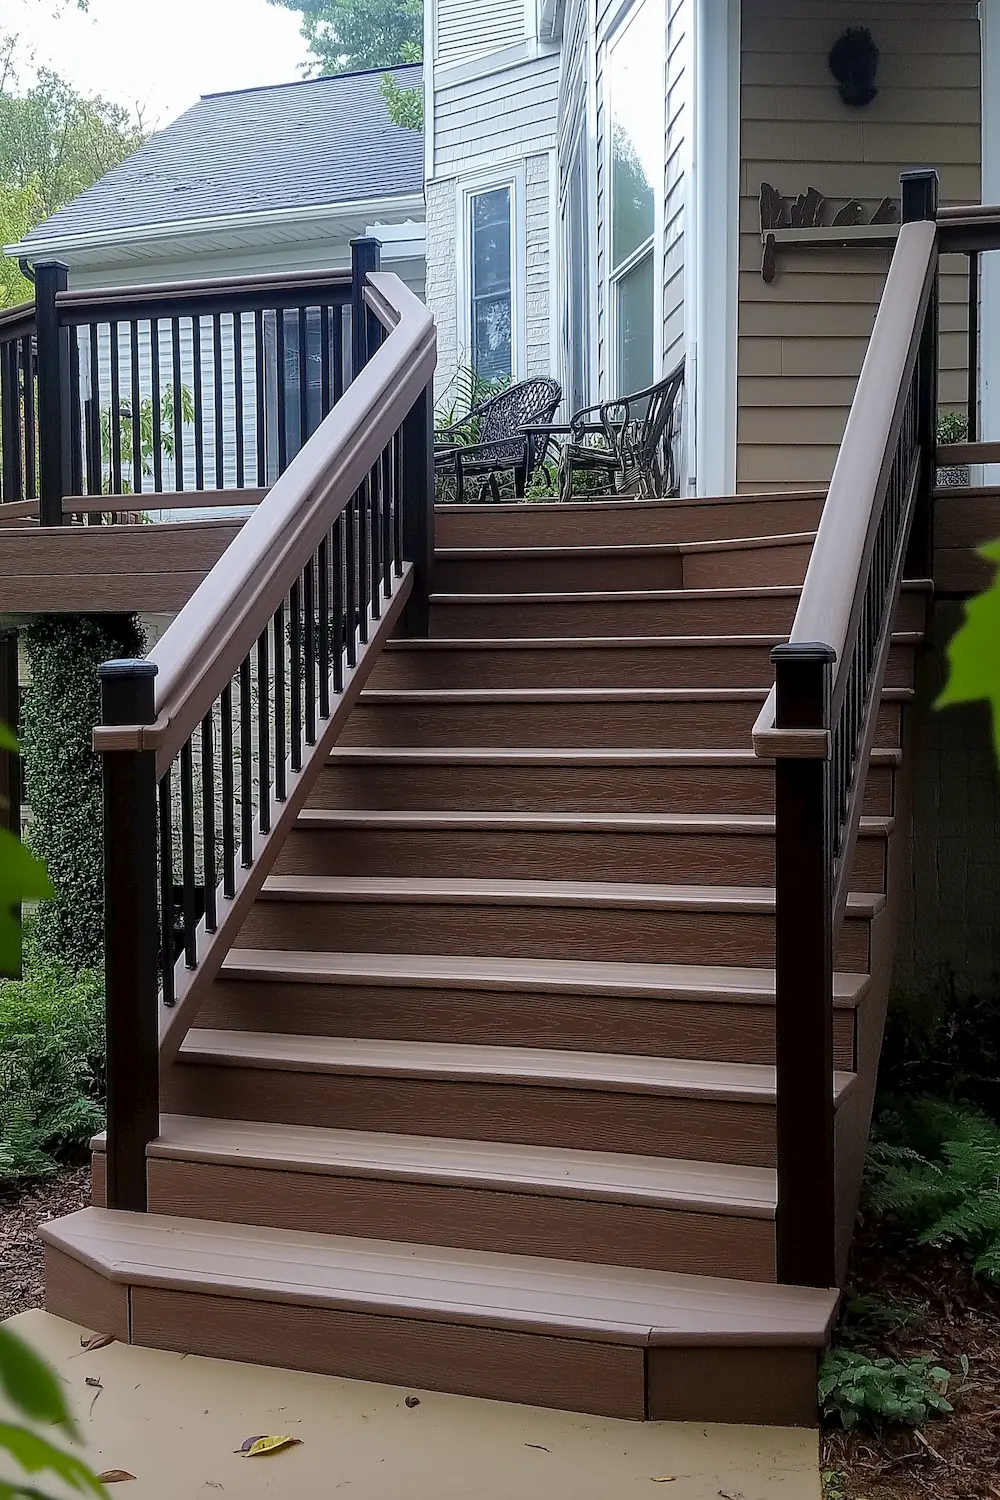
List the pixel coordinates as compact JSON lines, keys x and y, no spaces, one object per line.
{"x":483,"y":1098}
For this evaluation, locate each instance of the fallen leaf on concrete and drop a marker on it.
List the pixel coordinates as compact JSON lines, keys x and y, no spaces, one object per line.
{"x":248,"y":1443}
{"x":664,"y":1478}
{"x":96,"y":1386}
{"x":412,"y":1401}
{"x":260,"y":1446}
{"x":96,"y":1341}
{"x":538,"y":1445}
{"x":115,"y":1476}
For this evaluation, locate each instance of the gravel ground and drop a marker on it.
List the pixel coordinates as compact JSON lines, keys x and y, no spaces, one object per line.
{"x":22,"y":1209}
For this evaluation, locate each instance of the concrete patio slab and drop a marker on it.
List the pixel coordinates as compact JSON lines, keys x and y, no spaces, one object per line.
{"x":174,"y":1422}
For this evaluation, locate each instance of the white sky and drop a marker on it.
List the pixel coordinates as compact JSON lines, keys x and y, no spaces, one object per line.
{"x":162,"y":54}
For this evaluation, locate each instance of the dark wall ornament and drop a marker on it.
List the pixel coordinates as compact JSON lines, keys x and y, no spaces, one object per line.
{"x":854,"y":62}
{"x":808,"y":211}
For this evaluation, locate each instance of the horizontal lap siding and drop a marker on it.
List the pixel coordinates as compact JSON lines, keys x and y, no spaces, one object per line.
{"x":466,"y":28}
{"x":803,"y":338}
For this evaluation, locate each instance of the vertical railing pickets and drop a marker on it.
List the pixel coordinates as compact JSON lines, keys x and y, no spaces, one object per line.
{"x":920,"y":203}
{"x":130,"y":937}
{"x":972,"y":397}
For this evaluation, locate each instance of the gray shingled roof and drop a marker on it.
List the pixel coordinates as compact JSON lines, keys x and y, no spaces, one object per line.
{"x":295,"y":145}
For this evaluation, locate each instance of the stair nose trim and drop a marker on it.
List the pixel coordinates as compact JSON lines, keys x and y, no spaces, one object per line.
{"x":532,"y":1067}
{"x":592,"y":1176}
{"x":430,"y":1283}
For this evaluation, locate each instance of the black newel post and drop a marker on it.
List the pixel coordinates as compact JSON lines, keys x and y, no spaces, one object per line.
{"x":803,"y":885}
{"x":366,"y":256}
{"x":54,"y":448}
{"x":417,"y":501}
{"x":131,"y":935}
{"x":920,"y":202}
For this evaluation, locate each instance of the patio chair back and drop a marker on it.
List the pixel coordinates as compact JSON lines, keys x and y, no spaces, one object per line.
{"x":643,"y":428}
{"x":527,"y":403}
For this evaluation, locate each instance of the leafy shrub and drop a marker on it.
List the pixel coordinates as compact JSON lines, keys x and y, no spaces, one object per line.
{"x":863,"y":1317}
{"x":63,"y":775}
{"x":947,"y":1045}
{"x":51,"y":1068}
{"x":855,"y":1389}
{"x":36,"y":1394}
{"x":953,"y":427}
{"x":935,"y":1168}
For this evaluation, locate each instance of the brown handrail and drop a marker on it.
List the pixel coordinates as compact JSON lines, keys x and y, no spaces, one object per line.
{"x":819,"y":720}
{"x":17,"y":322}
{"x":283,"y":631}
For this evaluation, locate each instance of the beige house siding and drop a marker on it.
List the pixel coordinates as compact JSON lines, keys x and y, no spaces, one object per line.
{"x":802,"y":339}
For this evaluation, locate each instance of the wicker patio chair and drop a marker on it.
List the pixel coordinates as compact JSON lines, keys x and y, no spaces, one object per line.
{"x":631,"y":444}
{"x":500,"y":446}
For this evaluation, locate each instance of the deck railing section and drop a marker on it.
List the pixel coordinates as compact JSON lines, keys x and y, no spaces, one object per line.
{"x":820,"y":720}
{"x":209,"y":746}
{"x":191,"y":389}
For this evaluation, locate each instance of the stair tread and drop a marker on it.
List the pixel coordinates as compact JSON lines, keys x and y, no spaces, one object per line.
{"x":631,"y":596}
{"x":435,"y":645}
{"x":443,"y":1285}
{"x":528,"y":822}
{"x":623,"y":549}
{"x":609,"y":1072}
{"x":669,"y":981}
{"x":412,"y":889}
{"x":551,"y":1170}
{"x":585,"y":756}
{"x":636,"y":503}
{"x":589,"y":695}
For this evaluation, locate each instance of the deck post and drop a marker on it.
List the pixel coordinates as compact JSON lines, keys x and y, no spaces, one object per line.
{"x":417,"y":501}
{"x":52,"y":277}
{"x":131,"y":935}
{"x":920,"y":203}
{"x":803,"y":887}
{"x":366,"y":256}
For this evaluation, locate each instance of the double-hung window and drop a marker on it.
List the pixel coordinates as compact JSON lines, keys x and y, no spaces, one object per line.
{"x":490,"y":231}
{"x":635,"y":167}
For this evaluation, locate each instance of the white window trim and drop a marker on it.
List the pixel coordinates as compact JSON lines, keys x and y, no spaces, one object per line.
{"x":467,"y":189}
{"x":614,"y":29}
{"x":581,"y":136}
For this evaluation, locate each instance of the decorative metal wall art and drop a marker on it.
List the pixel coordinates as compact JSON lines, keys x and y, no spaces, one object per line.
{"x":809,"y":211}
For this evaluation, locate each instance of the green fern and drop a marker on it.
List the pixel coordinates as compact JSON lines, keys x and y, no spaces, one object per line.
{"x":935,"y":1167}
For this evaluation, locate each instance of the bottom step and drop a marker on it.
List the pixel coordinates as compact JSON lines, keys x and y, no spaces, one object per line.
{"x":614,"y":1342}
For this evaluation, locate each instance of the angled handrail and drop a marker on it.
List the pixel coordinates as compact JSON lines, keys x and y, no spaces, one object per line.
{"x":210,"y":745}
{"x":820,"y":718}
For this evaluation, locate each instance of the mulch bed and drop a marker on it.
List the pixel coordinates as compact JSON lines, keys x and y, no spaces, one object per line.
{"x":22,"y":1209}
{"x":955,"y":1457}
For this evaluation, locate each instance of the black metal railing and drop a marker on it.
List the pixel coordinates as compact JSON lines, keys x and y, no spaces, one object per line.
{"x":211,"y":745}
{"x":173,"y":389}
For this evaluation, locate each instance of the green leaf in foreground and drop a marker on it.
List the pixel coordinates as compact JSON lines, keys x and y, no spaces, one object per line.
{"x":974,"y":651}
{"x":35,"y":1455}
{"x":29,"y":1385}
{"x":22,"y":878}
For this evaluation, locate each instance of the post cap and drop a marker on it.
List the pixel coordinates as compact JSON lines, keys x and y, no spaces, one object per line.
{"x":803,"y":651}
{"x":109,"y":671}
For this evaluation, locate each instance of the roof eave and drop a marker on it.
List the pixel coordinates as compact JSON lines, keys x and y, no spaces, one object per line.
{"x":97,"y":239}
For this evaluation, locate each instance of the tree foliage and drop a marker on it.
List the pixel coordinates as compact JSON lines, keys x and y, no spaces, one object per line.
{"x":974,"y":652}
{"x":344,"y":36}
{"x":405,"y":107}
{"x":54,"y":143}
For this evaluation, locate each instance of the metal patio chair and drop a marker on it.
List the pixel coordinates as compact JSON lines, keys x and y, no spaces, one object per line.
{"x":500,"y":446}
{"x":630,"y":445}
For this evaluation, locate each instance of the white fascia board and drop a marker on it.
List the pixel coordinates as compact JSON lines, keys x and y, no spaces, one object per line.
{"x":409,"y":204}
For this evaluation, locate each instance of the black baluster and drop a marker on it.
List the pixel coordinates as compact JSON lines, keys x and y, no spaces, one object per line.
{"x":187,"y":856}
{"x":282,"y":391}
{"x":295,"y":673}
{"x":178,"y":389}
{"x":136,"y":408}
{"x":228,"y":793}
{"x":220,"y":443}
{"x":363,"y":560}
{"x":309,"y":605}
{"x":375,"y":505}
{"x":96,"y":436}
{"x":208,"y":851}
{"x":77,"y":436}
{"x":325,"y":623}
{"x":30,"y":451}
{"x":259,"y":390}
{"x":280,"y":741}
{"x":165,"y":797}
{"x":338,"y":353}
{"x":246,"y":766}
{"x":337,"y":610}
{"x":240,"y":432}
{"x":263,"y":734}
{"x":10,"y":421}
{"x":386,"y":462}
{"x":115,"y":415}
{"x":325,"y":372}
{"x":303,"y":379}
{"x":199,"y":405}
{"x":350,"y":518}
{"x":157,"y":400}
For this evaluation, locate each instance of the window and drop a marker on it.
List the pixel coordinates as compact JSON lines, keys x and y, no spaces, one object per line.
{"x":635,"y":151}
{"x":491,"y":300}
{"x":576,"y":277}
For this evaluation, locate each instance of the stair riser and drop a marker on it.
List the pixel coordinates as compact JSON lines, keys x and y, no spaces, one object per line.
{"x":613,"y":934}
{"x":468,"y":1218}
{"x":523,"y":574}
{"x":582,"y":666}
{"x":640,"y":1124}
{"x":745,"y":567}
{"x":715,"y":1030}
{"x":563,"y":617}
{"x":673,"y":859}
{"x":620,"y":525}
{"x":581,"y":724}
{"x":569,"y":788}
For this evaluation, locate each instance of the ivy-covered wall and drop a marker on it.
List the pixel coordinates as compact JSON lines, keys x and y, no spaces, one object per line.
{"x":63,"y":775}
